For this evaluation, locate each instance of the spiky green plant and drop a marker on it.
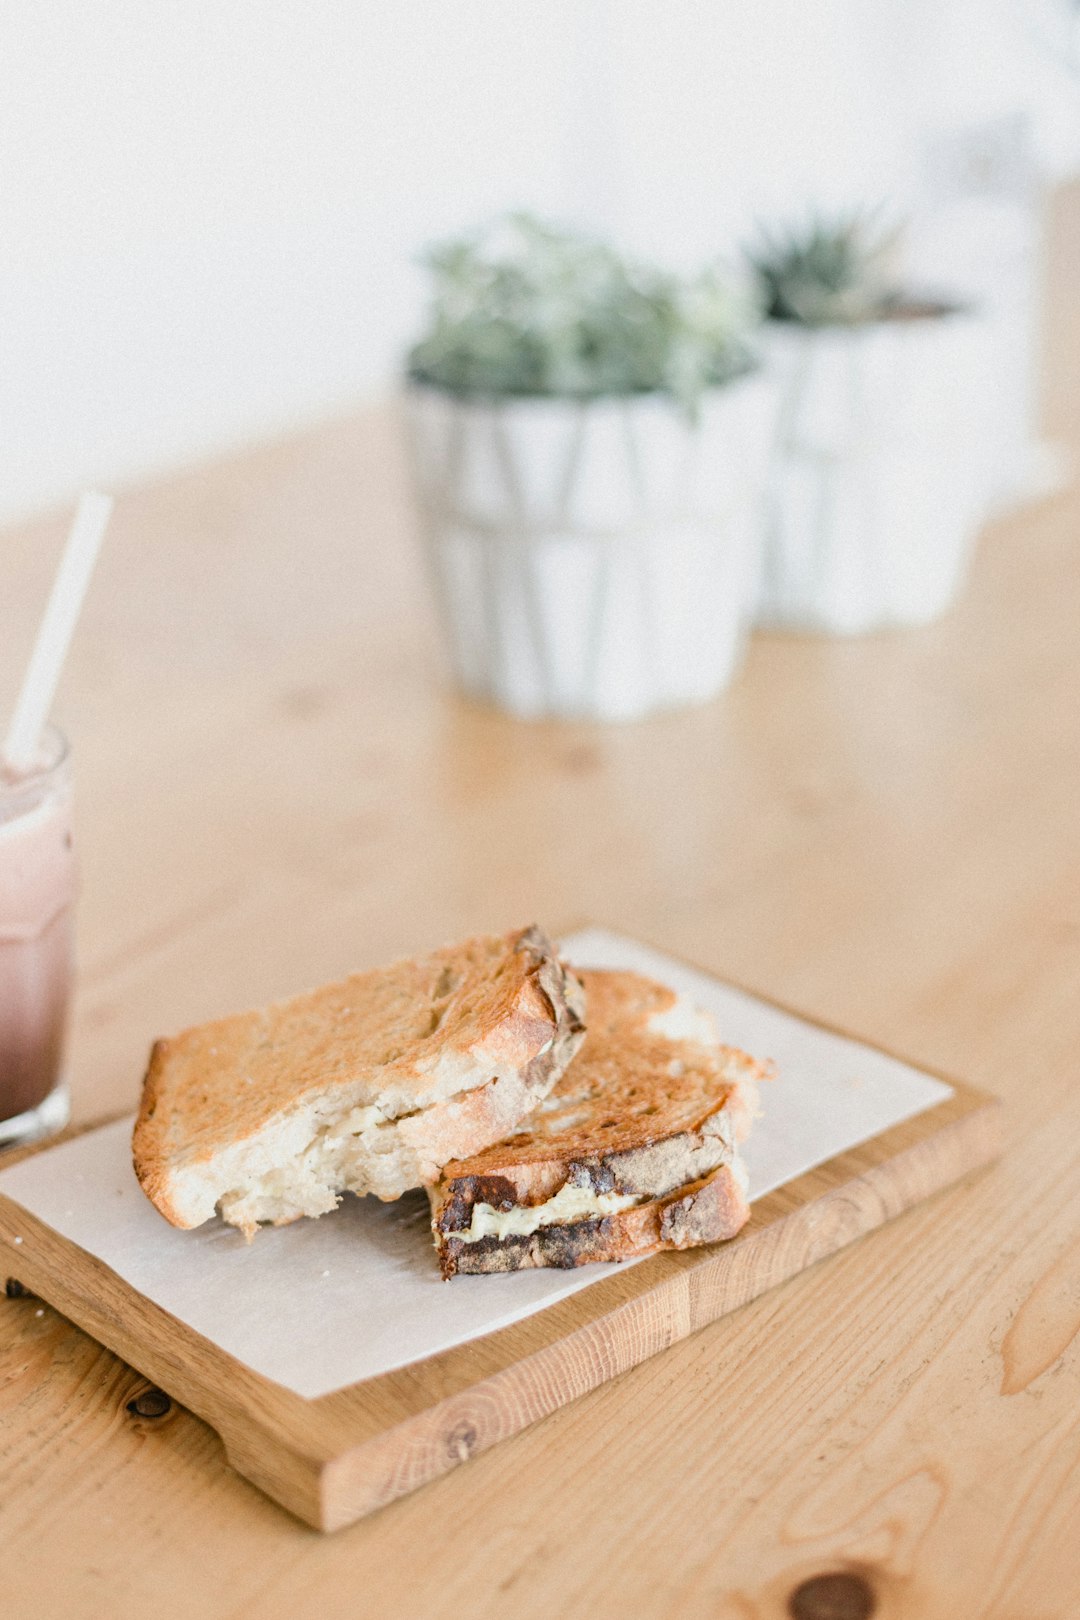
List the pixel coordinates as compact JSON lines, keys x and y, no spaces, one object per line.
{"x":526,"y":308}
{"x":827,"y":272}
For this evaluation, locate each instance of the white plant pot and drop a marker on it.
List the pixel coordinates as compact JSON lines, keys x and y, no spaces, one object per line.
{"x":882,"y":473}
{"x":594,"y":558}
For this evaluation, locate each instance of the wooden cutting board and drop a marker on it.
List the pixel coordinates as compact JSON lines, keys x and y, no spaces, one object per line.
{"x":333,"y":1459}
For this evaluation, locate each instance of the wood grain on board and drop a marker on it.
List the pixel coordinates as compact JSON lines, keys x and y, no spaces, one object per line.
{"x":274,"y":789}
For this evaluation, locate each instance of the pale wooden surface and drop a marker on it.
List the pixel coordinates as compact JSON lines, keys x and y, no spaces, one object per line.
{"x":333,"y":1460}
{"x":883,"y":832}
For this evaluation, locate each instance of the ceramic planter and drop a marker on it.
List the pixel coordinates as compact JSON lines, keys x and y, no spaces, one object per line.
{"x":882,"y":471}
{"x":593,"y":558}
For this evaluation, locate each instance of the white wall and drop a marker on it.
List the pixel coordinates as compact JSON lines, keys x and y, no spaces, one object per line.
{"x":722,"y":121}
{"x":209,"y":208}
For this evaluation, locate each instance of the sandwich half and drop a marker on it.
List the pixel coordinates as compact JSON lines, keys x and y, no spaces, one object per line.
{"x":635,"y":1149}
{"x":366,"y":1086}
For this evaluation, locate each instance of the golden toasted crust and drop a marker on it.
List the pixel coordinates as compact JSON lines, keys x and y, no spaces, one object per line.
{"x":404,"y":1037}
{"x":639,"y":1112}
{"x":620,"y":1095}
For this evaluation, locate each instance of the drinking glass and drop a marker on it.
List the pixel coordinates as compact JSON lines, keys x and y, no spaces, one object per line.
{"x":37,"y":902}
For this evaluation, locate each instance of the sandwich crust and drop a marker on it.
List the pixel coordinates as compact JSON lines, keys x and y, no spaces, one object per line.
{"x":707,"y":1211}
{"x":643,"y":1127}
{"x":449,"y":1051}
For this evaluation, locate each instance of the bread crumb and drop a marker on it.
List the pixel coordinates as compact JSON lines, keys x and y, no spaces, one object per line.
{"x":18,"y":1240}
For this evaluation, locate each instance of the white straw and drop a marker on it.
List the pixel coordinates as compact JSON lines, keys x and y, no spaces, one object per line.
{"x":54,"y":635}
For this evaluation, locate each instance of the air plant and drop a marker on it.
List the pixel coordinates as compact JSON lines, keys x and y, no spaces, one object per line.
{"x":829,"y":272}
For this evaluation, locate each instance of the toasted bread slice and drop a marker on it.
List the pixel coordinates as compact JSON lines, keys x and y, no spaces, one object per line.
{"x":633,"y":1151}
{"x":369,"y":1085}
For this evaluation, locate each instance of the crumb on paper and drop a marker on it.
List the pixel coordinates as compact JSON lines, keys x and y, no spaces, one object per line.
{"x":326,"y":1274}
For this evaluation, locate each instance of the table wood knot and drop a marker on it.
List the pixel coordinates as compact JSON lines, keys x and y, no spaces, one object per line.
{"x":152,"y":1403}
{"x":838,"y":1596}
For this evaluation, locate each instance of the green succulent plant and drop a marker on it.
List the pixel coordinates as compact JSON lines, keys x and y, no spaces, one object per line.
{"x":828,"y":272}
{"x":526,"y":308}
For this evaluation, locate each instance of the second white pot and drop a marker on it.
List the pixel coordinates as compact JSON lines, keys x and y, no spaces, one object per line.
{"x":595,"y":558}
{"x":881,"y":476}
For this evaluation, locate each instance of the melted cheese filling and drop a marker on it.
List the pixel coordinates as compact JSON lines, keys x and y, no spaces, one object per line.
{"x":569,"y":1204}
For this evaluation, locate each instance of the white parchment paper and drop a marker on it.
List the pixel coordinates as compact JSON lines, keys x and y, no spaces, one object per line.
{"x":321,"y":1304}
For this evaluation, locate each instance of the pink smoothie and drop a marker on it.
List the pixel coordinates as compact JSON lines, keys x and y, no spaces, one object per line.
{"x":37,"y":891}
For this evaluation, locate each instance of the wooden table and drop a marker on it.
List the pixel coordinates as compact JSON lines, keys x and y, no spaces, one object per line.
{"x":275,"y":789}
